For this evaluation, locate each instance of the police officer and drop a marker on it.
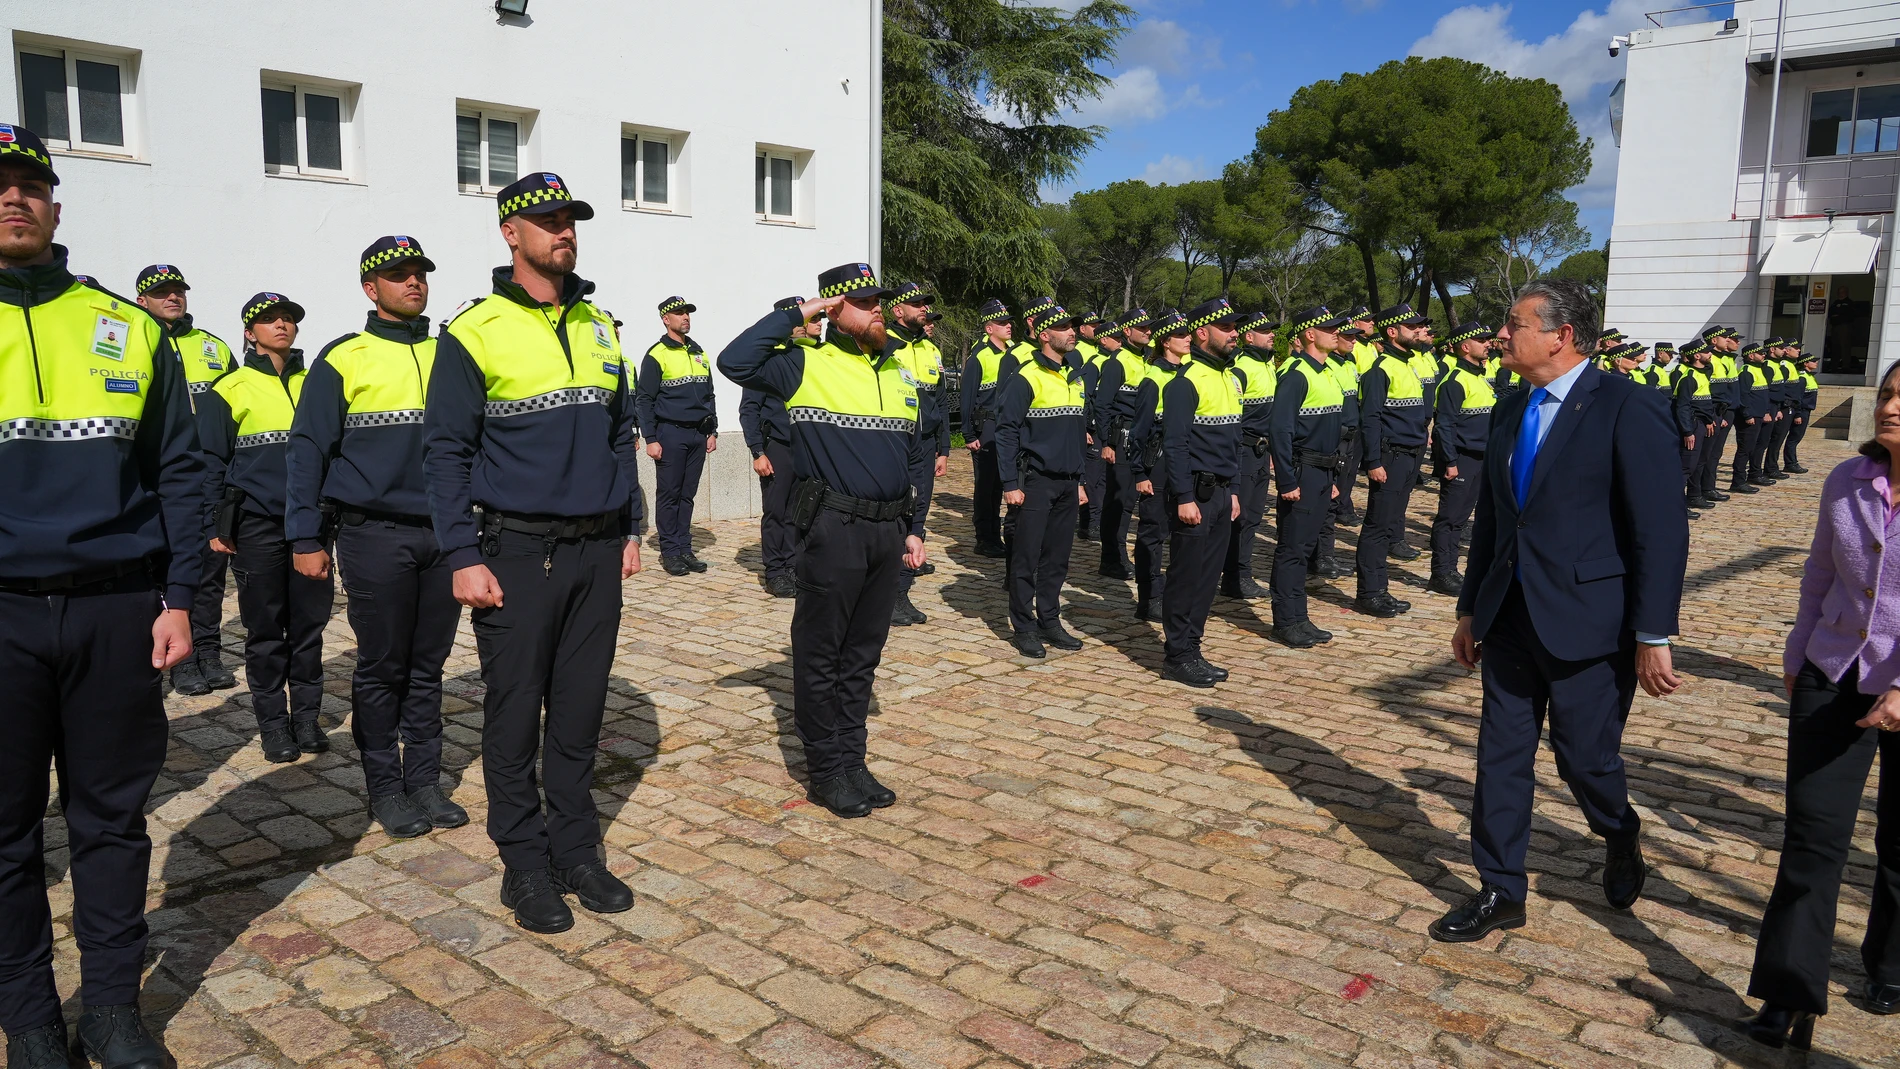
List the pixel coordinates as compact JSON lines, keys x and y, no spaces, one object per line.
{"x":990,"y":362}
{"x":1088,"y":352}
{"x":244,"y":424}
{"x":1693,"y":404}
{"x":859,"y":455}
{"x":1754,"y":412}
{"x":916,"y":353}
{"x":1810,"y":400}
{"x":1123,"y":370}
{"x":1343,"y":364}
{"x":1462,"y":418}
{"x":673,"y":401}
{"x":101,"y":548}
{"x":1308,"y":409}
{"x":1725,"y":387}
{"x":1788,"y":396}
{"x":768,"y":435}
{"x":161,"y":291}
{"x":355,"y":454}
{"x":1254,"y":363}
{"x":1661,"y":371}
{"x":1393,"y":420}
{"x":531,"y":419}
{"x":1148,"y":456}
{"x":1042,"y":435}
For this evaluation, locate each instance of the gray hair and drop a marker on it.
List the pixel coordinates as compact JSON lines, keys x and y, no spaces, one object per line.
{"x":1566,"y":301}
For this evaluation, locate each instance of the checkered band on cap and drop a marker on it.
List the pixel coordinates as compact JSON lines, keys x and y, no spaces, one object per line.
{"x":993,"y":311}
{"x":1259,"y":323}
{"x":1750,"y":349}
{"x":849,"y":279}
{"x":264,"y":302}
{"x":1313,"y":317}
{"x":673,"y":304}
{"x":158,"y":275}
{"x":1211,"y":312}
{"x":1694,"y":348}
{"x":1468,"y":332}
{"x":1393,"y":316}
{"x":1046,"y":316}
{"x":1662,"y":346}
{"x":910,"y":293}
{"x":1038,"y":305}
{"x":1091,"y":319}
{"x":1169,"y":323}
{"x":552,"y":189}
{"x":19,"y":141}
{"x":382,"y":258}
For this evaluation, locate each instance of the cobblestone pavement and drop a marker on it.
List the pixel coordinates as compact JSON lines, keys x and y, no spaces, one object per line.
{"x":1087,"y":867}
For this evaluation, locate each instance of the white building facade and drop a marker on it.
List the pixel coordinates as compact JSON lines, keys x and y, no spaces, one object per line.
{"x":1760,"y":176}
{"x":728,"y":147}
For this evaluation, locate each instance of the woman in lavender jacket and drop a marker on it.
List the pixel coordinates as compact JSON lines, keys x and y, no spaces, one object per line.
{"x":1843,"y":682}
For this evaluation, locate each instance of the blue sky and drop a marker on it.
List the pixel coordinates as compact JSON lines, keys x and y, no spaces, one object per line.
{"x":1195,"y":78}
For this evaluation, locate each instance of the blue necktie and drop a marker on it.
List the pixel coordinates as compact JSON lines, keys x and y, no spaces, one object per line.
{"x":1524,"y":457}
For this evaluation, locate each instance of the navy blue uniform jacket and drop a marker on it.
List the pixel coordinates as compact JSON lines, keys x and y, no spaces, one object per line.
{"x":1602,"y":541}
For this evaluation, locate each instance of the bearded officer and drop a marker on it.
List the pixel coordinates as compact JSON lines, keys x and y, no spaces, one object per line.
{"x":673,"y":401}
{"x":768,"y":435}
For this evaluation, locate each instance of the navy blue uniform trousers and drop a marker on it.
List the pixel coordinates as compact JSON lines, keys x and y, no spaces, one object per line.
{"x":850,"y":572}
{"x":682,"y":458}
{"x":284,"y":615}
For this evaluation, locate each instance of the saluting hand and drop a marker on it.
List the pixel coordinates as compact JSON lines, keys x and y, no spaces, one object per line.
{"x":819,"y":304}
{"x":171,"y":638}
{"x":630,"y":559}
{"x":475,"y":587}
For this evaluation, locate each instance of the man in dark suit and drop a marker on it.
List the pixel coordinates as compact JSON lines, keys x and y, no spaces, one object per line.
{"x":1577,"y":558}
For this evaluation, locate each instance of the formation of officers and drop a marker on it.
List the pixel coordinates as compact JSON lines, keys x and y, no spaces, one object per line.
{"x":492,"y":463}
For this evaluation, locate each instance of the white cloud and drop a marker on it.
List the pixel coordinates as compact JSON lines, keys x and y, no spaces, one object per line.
{"x":1134,"y":95}
{"x":1174,"y":170}
{"x":1166,"y":46}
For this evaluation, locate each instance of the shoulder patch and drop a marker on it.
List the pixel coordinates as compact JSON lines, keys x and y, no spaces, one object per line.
{"x":463,"y":307}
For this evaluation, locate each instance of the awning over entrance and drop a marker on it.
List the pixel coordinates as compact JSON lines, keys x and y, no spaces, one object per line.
{"x":1840,"y":251}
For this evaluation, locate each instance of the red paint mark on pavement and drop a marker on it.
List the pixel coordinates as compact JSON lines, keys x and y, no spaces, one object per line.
{"x":1358,"y":987}
{"x":793,"y":804}
{"x":1033,"y":881}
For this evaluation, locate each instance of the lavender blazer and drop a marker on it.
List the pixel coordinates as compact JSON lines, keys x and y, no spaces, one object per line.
{"x":1850,"y":602}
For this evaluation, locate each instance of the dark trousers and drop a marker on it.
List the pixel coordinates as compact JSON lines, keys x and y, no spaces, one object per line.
{"x":82,"y":696}
{"x":925,"y":489}
{"x":1712,"y":462}
{"x":404,"y":613}
{"x":1039,"y":549}
{"x":284,"y":615}
{"x":1252,"y":485}
{"x":1088,"y":518}
{"x":1777,"y":441}
{"x":1195,"y":555}
{"x":1795,"y":434}
{"x":1745,"y":452}
{"x":1346,"y":478}
{"x":1587,"y":703}
{"x":777,"y":540}
{"x":207,"y":605}
{"x":1828,"y":762}
{"x":549,"y":646}
{"x":1457,"y":496}
{"x":1299,"y":524}
{"x":676,"y":483}
{"x":1384,"y":525}
{"x":1692,"y":459}
{"x":987,"y":497}
{"x":1151,"y":535}
{"x":1119,"y":501}
{"x":849,"y":574}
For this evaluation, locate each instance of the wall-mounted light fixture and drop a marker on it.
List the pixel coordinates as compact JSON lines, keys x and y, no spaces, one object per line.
{"x":511,"y":7}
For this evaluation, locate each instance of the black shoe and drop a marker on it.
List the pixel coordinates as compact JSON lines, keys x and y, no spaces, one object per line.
{"x":675,"y":565}
{"x":991,"y":549}
{"x":1624,"y":873}
{"x":1883,"y":999}
{"x":1693,"y":514}
{"x":1115,"y":571}
{"x":436,"y":805}
{"x":1195,"y":673}
{"x":1028,"y":644}
{"x":1778,"y":1027}
{"x":840,"y":795}
{"x":1244,"y":588}
{"x":1449,"y":585}
{"x":1055,"y":635}
{"x":189,"y":679}
{"x":1777,"y":475}
{"x":44,"y":1047}
{"x":1087,"y":535}
{"x":115,"y":1037}
{"x":599,"y":890}
{"x":1401,"y":551}
{"x":782,"y":586}
{"x":211,"y":664}
{"x":1383,"y":606}
{"x":1483,"y":913}
{"x":538,"y":906}
{"x":1761,"y":480}
{"x":280,"y":747}
{"x":310,"y":737}
{"x":1700,"y":503}
{"x":874,"y":792}
{"x":1795,"y":469}
{"x":1142,"y":612}
{"x":693,"y":563}
{"x":927,"y":569}
{"x":1220,"y":674}
{"x":1348,"y":519}
{"x":904,"y":614}
{"x":1743,"y":488}
{"x":1297,"y":636}
{"x":1715,"y":495}
{"x":1327,"y":568}
{"x":400,"y":817}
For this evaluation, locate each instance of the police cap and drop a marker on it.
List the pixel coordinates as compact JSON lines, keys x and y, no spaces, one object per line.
{"x":23,"y":146}
{"x":851,"y":280}
{"x":993,"y":311}
{"x":390,"y":251}
{"x":267,"y":302}
{"x":539,"y":193}
{"x":1469,"y":332}
{"x":1050,"y":316}
{"x":1318,"y":317}
{"x":158,"y":275}
{"x":677,"y":306}
{"x":784,"y":303}
{"x":1211,"y":312}
{"x":1169,"y":323}
{"x":910,"y":293}
{"x":1399,"y":315}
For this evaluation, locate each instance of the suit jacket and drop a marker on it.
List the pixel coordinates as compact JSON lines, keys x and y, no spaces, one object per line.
{"x":1602,"y":541}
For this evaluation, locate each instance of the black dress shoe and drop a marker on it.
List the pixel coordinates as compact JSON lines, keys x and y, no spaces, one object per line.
{"x":211,"y":663}
{"x":904,"y":614}
{"x":280,"y":747}
{"x":693,"y":563}
{"x":1055,"y":635}
{"x":1779,"y":1027}
{"x":1624,"y":873}
{"x":782,"y":586}
{"x":400,"y":817}
{"x":1196,"y":673}
{"x":1401,"y":551}
{"x":1693,"y":514}
{"x":1700,"y":503}
{"x":1220,"y":674}
{"x":115,"y":1037}
{"x":1300,"y":636}
{"x":1028,"y":644}
{"x":1142,"y":612}
{"x":1483,"y":913}
{"x":1795,"y":469}
{"x":1115,"y":572}
{"x":436,"y":805}
{"x":1761,"y":480}
{"x":1328,"y":568}
{"x":840,"y":795}
{"x":1715,"y":495}
{"x":874,"y":792}
{"x":927,"y":569}
{"x":991,"y":549}
{"x":310,"y":737}
{"x":1777,"y":475}
{"x":675,"y":565}
{"x":537,"y":905}
{"x":597,"y":889}
{"x":44,"y":1047}
{"x":1348,"y":519}
{"x":1245,"y":588}
{"x":1382,"y":606}
{"x":1883,"y":999}
{"x":1743,"y":488}
{"x":1449,"y":585}
{"x":189,"y":679}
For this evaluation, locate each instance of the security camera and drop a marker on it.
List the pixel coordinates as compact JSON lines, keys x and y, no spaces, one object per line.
{"x":1617,"y":45}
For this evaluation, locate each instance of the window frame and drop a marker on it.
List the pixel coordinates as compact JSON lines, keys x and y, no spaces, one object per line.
{"x":763,"y":212}
{"x":640,"y":139}
{"x":71,"y":54}
{"x":483,"y":114}
{"x":1852,"y":120}
{"x":300,"y":89}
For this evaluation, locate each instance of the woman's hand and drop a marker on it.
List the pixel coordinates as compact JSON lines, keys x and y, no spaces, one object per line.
{"x":1885,"y":714}
{"x":1787,"y":684}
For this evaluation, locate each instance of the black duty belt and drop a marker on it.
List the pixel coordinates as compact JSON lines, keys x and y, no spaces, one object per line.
{"x":350,"y":517}
{"x":1407,"y":450}
{"x":704,"y":425}
{"x":555,"y":528}
{"x":867,"y":509}
{"x":73,"y":582}
{"x":1307,"y":458}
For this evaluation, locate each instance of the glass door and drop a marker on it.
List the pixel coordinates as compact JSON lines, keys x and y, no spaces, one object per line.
{"x":1850,"y":322}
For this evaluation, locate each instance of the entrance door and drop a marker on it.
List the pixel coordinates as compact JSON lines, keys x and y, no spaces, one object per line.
{"x":1850,"y":322}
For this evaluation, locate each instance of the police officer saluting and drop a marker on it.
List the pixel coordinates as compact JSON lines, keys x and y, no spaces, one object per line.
{"x":1463,"y":422}
{"x":674,"y":404}
{"x":1042,"y":426}
{"x":530,"y":418}
{"x":101,"y":547}
{"x":1307,"y":406}
{"x":989,"y":364}
{"x":356,"y":455}
{"x":768,"y":435}
{"x":1393,"y":418}
{"x":244,"y":424}
{"x":858,"y":454}
{"x":161,"y":291}
{"x":1254,"y":361}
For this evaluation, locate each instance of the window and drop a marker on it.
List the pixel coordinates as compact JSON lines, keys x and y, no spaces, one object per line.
{"x":307,"y":129}
{"x":488,"y":149}
{"x":1851,"y":122}
{"x":772,"y":180}
{"x":78,"y":100}
{"x":645,"y":173}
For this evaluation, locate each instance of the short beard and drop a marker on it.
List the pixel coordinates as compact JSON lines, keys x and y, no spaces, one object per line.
{"x":873,"y":338}
{"x":549,"y":261}
{"x":26,"y":247}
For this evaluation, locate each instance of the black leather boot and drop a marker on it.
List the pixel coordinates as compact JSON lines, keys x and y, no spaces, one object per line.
{"x":115,"y":1037}
{"x":1778,"y":1027}
{"x":598,"y":889}
{"x":537,"y":905}
{"x":874,"y":792}
{"x":840,"y":795}
{"x":44,"y":1047}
